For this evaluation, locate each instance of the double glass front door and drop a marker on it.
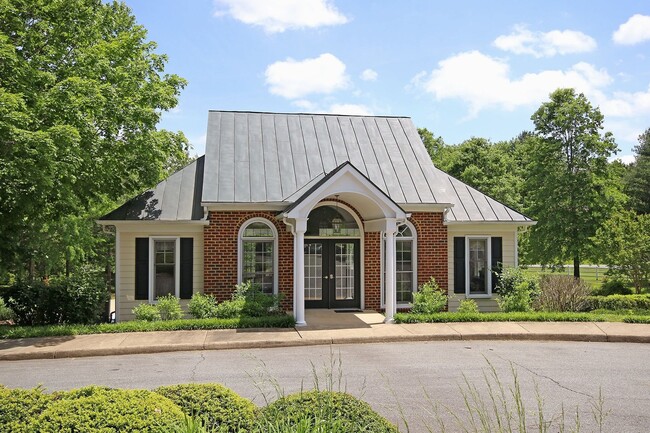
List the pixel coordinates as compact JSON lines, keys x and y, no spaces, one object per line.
{"x":332,"y":273}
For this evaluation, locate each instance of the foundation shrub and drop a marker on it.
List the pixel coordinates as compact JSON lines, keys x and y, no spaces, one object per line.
{"x":517,"y":300}
{"x":429,"y":298}
{"x":219,"y":408}
{"x":467,"y":306}
{"x":103,"y":410}
{"x":562,"y":293}
{"x":202,"y":306}
{"x":326,"y":407}
{"x":169,"y":307}
{"x":19,"y":406}
{"x":146,"y":312}
{"x":229,"y":309}
{"x":256,"y":302}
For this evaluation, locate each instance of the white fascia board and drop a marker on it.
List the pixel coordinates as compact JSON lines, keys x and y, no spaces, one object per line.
{"x":492,"y":223}
{"x":161,"y":227}
{"x":262,"y":206}
{"x":426,"y":207}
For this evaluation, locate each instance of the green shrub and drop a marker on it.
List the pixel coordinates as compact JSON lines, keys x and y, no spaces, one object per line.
{"x":6,"y":313}
{"x":612,"y":287}
{"x":79,"y":299}
{"x":511,"y":279}
{"x":352,"y":414}
{"x":562,"y":293}
{"x":146,"y":312}
{"x":467,"y":306}
{"x":202,"y":306}
{"x":169,"y":307}
{"x":229,"y":309}
{"x":517,"y":300}
{"x":618,"y":302}
{"x":102,"y":410}
{"x":429,"y":298}
{"x":256,"y":302}
{"x":220,"y":408}
{"x":19,"y":406}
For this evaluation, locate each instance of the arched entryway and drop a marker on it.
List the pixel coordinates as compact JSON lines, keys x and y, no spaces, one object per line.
{"x":332,"y":258}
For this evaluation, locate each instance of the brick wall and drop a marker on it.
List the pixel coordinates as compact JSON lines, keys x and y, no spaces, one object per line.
{"x":372,"y":270}
{"x":432,"y":247}
{"x":221,"y":249}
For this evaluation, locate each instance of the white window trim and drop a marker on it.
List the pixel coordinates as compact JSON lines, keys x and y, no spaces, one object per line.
{"x":488,"y":246}
{"x":414,"y":252}
{"x":152,"y":264}
{"x":240,"y":248}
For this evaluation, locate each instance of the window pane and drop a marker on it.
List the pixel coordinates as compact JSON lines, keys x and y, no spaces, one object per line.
{"x":164,"y":268}
{"x":403,"y":271}
{"x":404,"y":232}
{"x":257,"y":266}
{"x":478,"y":274}
{"x":258,"y":230}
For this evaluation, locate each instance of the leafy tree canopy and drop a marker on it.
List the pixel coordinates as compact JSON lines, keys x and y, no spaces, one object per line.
{"x":568,"y":183}
{"x":81,"y":92}
{"x":637,"y":184}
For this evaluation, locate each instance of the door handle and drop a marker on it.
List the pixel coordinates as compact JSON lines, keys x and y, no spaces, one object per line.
{"x":331,"y":276}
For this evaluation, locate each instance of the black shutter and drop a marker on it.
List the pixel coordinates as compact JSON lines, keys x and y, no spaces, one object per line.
{"x":497,"y":260}
{"x":141,"y":268}
{"x":187,"y":264}
{"x":459,"y":265}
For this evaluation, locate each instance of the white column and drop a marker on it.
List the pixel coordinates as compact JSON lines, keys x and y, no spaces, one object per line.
{"x":299,"y":271}
{"x":391,"y":288}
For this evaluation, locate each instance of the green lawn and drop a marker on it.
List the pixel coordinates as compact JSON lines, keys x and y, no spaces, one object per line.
{"x":592,"y":274}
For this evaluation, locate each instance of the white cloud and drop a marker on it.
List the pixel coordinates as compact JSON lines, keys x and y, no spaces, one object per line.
{"x":626,"y":159}
{"x":294,"y":79}
{"x":276,"y":16}
{"x":633,"y":31}
{"x":483,"y":81}
{"x":369,"y":75}
{"x":540,"y":44}
{"x":627,"y":104}
{"x":352,"y":109}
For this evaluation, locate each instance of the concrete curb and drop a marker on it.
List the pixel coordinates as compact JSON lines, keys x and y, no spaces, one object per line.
{"x":306,"y":341}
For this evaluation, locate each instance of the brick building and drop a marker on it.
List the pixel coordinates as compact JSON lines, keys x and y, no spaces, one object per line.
{"x":341,"y":212}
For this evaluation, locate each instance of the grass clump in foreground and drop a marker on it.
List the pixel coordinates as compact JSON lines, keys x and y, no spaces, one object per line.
{"x":275,"y":321}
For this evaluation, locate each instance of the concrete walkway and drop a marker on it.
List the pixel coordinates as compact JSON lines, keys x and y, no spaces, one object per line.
{"x":324,"y":327}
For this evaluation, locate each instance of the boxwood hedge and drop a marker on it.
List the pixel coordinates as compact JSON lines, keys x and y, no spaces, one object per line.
{"x":19,"y":406}
{"x":348,"y":412}
{"x":220,"y":408}
{"x":103,"y":410}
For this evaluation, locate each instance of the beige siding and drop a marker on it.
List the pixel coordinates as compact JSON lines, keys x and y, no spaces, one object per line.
{"x":506,"y":232}
{"x":125,"y":298}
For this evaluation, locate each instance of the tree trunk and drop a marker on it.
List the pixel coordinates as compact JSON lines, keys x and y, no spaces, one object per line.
{"x":576,"y":267}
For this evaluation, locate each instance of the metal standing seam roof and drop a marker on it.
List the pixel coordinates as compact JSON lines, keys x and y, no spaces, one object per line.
{"x":275,"y":158}
{"x":177,"y":198}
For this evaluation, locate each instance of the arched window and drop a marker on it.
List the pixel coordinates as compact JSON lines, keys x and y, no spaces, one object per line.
{"x":258,"y":246}
{"x":405,"y":263}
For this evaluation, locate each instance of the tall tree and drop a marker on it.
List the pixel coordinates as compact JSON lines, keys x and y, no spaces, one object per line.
{"x":81,"y":92}
{"x":637,"y":184}
{"x":568,"y":185}
{"x":623,"y":243}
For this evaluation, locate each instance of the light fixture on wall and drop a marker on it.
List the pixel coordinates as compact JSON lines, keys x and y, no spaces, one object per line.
{"x":336,"y":221}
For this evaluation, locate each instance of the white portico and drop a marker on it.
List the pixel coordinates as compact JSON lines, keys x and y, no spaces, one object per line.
{"x":379,"y":214}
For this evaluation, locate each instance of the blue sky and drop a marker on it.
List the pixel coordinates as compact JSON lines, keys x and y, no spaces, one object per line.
{"x":458,"y":68}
